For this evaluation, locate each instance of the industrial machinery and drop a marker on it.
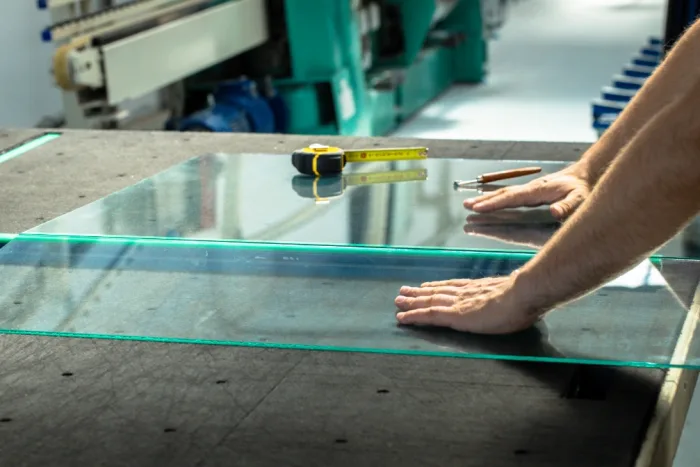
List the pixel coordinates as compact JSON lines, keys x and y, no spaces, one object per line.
{"x":352,"y":67}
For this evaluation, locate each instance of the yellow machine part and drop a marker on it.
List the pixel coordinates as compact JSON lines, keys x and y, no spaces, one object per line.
{"x":61,"y":69}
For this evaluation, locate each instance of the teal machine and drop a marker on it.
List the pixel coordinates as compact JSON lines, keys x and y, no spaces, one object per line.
{"x":343,"y":67}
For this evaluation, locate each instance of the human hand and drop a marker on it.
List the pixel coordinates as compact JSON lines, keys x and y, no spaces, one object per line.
{"x":564,"y":191}
{"x":482,"y":306}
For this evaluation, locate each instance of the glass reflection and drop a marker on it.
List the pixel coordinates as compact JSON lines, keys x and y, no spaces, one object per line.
{"x":260,"y":197}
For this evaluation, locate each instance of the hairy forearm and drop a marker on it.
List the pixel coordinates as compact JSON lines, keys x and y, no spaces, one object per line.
{"x":646,"y":196}
{"x":674,"y":77}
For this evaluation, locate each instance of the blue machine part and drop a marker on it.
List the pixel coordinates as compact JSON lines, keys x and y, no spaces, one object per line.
{"x":652,"y":51}
{"x":625,"y":85}
{"x":46,"y":35}
{"x":610,"y":93}
{"x":603,"y":122}
{"x":238,"y":108}
{"x":601,"y":106}
{"x":636,"y":71}
{"x":646,"y":61}
{"x":627,"y":82}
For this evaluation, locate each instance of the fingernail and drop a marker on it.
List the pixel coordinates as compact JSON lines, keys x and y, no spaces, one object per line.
{"x":404,"y":289}
{"x":469,"y":201}
{"x":400,"y":299}
{"x":400,"y":316}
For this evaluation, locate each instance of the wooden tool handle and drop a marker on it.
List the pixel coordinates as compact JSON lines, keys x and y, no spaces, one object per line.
{"x":506,"y":174}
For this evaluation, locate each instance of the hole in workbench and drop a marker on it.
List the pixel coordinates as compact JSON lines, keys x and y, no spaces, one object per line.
{"x":341,"y":441}
{"x":59,"y":153}
{"x":121,"y":175}
{"x":589,"y":383}
{"x":5,"y":420}
{"x":520,"y":452}
{"x":382,"y":391}
{"x":17,"y":302}
{"x":169,"y":430}
{"x":81,"y":196}
{"x":221,"y":381}
{"x":67,"y":374}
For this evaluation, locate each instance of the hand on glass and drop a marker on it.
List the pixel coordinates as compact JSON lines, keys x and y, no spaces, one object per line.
{"x":481,"y":306}
{"x":563,"y":191}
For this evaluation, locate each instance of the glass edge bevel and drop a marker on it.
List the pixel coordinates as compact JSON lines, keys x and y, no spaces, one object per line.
{"x":360,"y":350}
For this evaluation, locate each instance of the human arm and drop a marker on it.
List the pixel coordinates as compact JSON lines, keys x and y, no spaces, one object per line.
{"x":566,"y":190}
{"x":649,"y":193}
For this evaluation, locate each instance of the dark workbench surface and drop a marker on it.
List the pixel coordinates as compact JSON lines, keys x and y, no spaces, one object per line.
{"x":114,"y":403}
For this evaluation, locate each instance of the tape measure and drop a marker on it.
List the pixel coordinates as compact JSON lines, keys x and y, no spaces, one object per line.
{"x":319,"y":160}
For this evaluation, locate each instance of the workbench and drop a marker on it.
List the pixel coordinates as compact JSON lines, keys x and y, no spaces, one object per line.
{"x":69,"y":401}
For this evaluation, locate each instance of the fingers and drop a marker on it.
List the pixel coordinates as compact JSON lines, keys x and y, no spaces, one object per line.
{"x":432,"y":316}
{"x":425,"y":291}
{"x":461,"y":283}
{"x":426,"y":301}
{"x":471,"y":202}
{"x":538,"y":192}
{"x":564,"y":208}
{"x":511,"y":197}
{"x":448,"y":283}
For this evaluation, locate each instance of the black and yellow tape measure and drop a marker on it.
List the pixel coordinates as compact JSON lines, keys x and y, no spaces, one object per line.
{"x":318,"y":160}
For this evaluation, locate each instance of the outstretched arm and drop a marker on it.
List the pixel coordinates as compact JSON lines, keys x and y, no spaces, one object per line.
{"x":648,"y":194}
{"x":675,"y":77}
{"x":566,"y":190}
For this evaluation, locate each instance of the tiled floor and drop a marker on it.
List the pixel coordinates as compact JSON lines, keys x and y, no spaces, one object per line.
{"x":550,"y":60}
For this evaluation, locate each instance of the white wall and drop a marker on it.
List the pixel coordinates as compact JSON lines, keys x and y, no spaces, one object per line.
{"x":27,"y":92}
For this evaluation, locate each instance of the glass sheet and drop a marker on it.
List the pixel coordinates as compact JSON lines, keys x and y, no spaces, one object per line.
{"x":323,"y":297}
{"x":258,"y":197}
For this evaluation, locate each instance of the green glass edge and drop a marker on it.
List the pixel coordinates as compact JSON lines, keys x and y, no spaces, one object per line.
{"x":252,"y":245}
{"x":307,"y":347}
{"x":28,"y":146}
{"x":283,"y":246}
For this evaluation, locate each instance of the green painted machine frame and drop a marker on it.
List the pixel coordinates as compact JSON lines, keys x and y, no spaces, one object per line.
{"x":335,"y":72}
{"x":330,"y":91}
